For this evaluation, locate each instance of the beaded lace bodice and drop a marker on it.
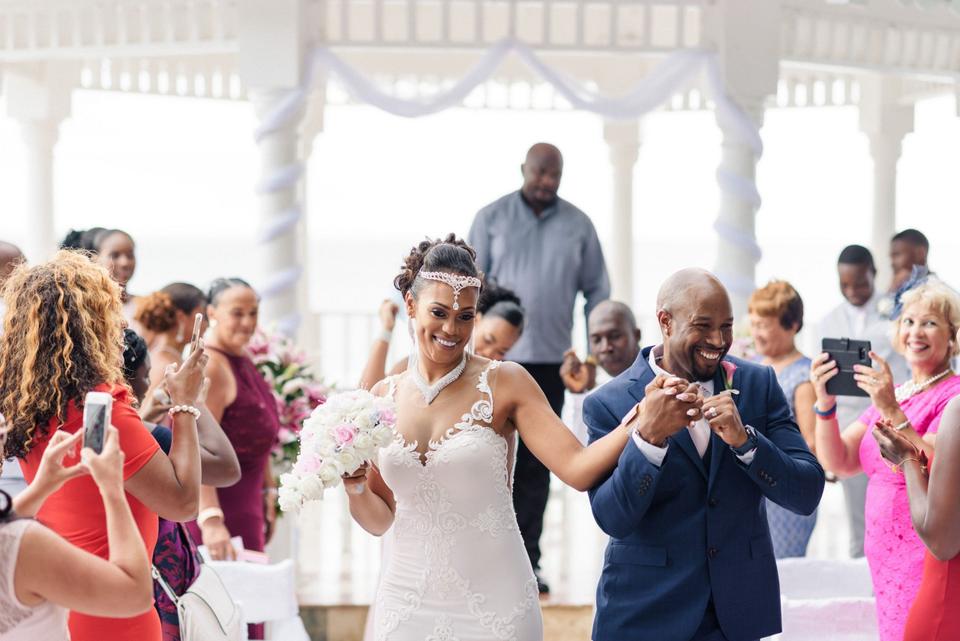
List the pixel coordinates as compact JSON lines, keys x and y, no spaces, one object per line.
{"x":457,"y":569}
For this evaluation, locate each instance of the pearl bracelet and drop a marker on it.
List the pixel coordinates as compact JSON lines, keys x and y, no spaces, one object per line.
{"x":208,"y":513}
{"x":188,"y":409}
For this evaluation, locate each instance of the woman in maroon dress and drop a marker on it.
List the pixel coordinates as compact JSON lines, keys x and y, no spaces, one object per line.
{"x":243,"y":403}
{"x":935,"y":511}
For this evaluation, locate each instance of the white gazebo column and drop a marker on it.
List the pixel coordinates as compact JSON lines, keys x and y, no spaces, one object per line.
{"x":623,"y":140}
{"x":746,"y":75}
{"x":38,"y":97}
{"x":885,"y":121}
{"x":272,"y":51}
{"x":737,"y":250}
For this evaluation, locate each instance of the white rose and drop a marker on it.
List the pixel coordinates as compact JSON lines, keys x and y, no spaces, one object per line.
{"x":363,"y":442}
{"x":328,"y":473}
{"x":362,"y":421}
{"x":382,"y":436}
{"x":311,"y":488}
{"x":289,"y":504}
{"x":348,"y":461}
{"x":289,"y":482}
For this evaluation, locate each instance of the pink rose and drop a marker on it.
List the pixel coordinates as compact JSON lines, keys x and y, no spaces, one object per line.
{"x":387,"y":417}
{"x":344,"y":435}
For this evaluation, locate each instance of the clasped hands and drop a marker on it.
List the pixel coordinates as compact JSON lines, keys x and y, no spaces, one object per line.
{"x":672,"y":403}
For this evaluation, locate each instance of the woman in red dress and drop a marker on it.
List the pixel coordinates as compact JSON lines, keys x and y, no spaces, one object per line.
{"x":935,"y":510}
{"x":64,"y":338}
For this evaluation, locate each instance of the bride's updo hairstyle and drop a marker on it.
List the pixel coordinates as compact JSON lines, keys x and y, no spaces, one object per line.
{"x":452,"y":255}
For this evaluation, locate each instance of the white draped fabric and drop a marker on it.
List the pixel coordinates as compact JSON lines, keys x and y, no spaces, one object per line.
{"x":675,"y":74}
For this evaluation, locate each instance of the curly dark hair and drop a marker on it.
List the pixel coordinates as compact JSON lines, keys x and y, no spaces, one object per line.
{"x":62,"y":337}
{"x":450,"y":254}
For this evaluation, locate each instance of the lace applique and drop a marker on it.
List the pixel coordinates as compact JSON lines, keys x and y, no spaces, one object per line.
{"x":493,"y":520}
{"x":443,"y":631}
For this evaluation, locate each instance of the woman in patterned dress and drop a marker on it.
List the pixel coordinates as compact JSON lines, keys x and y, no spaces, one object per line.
{"x":776,"y":315}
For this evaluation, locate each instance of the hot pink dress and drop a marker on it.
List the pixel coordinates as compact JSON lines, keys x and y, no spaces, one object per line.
{"x":893,"y":549}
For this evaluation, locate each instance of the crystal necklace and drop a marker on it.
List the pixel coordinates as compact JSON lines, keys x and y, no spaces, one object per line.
{"x":430,"y":392}
{"x":910,"y":388}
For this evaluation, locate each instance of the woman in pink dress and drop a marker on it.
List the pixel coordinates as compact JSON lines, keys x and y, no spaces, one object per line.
{"x":924,"y":334}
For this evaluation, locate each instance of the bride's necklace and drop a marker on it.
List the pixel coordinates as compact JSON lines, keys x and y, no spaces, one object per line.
{"x":430,"y":392}
{"x":912,"y":388}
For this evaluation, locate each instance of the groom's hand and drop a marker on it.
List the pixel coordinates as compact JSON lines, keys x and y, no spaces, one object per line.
{"x":669,"y":405}
{"x":724,"y":418}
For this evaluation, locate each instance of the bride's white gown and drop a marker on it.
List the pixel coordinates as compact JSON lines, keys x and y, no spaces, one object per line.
{"x":457,"y":570}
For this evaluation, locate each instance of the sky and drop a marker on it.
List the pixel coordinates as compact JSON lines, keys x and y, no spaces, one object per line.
{"x":178,"y":174}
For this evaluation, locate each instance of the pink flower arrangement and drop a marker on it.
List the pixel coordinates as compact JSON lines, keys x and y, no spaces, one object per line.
{"x":296,"y":389}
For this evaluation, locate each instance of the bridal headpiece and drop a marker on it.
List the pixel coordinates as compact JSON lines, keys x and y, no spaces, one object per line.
{"x":456,"y":281}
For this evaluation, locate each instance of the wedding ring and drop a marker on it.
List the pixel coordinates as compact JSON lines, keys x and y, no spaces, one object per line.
{"x":874,"y":381}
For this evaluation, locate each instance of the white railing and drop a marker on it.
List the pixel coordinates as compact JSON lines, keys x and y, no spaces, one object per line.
{"x":607,"y":25}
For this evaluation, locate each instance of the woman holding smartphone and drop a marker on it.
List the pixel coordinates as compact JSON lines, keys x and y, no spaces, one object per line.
{"x":64,"y":339}
{"x":42,"y":576}
{"x":167,"y":318}
{"x":925,"y":335}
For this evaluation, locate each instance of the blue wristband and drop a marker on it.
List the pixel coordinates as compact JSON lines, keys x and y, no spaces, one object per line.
{"x":830,"y":413}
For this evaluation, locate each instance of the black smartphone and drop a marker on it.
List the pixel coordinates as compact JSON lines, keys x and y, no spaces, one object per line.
{"x":846,"y":352}
{"x":97,"y":407}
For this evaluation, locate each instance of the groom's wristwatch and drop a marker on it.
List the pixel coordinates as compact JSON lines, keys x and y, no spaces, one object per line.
{"x":750,"y":445}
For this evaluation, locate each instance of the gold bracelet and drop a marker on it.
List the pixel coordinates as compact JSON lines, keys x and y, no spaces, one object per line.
{"x":898,"y":467}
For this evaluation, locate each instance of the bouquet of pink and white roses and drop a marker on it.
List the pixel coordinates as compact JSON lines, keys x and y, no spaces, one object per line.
{"x":339,"y":437}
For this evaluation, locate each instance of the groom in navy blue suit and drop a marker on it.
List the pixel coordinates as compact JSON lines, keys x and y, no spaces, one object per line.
{"x":690,"y":556}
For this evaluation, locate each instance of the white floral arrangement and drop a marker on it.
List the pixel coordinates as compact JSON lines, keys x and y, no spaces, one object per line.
{"x":338,"y":438}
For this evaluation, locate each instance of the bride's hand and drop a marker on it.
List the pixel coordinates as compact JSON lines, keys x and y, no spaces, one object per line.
{"x":356,"y":482}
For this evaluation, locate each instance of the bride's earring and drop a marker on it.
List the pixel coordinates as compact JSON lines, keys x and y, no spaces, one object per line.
{"x":180,"y":333}
{"x":415,"y":352}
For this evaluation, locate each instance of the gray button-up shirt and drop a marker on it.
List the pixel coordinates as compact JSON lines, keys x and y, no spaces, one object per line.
{"x":546,"y":260}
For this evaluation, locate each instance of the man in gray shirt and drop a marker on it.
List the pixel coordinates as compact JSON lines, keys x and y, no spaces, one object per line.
{"x":547,"y":251}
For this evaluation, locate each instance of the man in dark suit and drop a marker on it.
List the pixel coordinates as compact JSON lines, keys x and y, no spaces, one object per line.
{"x":690,"y":556}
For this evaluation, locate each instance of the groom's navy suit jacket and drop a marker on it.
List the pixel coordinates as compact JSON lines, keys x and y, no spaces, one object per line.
{"x":685,"y":533}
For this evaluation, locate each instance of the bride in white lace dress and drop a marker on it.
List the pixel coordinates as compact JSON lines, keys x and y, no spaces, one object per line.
{"x":458,"y":570}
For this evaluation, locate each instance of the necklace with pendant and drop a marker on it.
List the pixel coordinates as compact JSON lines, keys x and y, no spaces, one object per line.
{"x":430,"y":392}
{"x":910,"y":388}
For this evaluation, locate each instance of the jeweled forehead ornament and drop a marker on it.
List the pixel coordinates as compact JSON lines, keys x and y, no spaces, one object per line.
{"x":456,"y":281}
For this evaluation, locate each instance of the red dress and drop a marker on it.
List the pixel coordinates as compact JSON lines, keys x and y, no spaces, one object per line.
{"x":76,"y":512}
{"x":935,"y":614}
